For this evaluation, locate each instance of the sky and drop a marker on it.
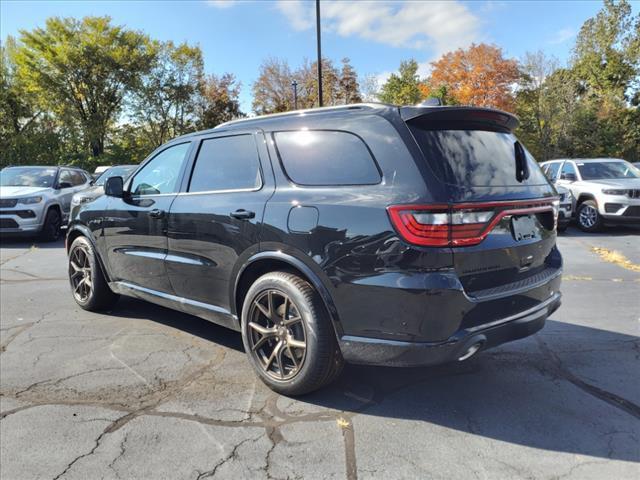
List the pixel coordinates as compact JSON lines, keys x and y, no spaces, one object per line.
{"x":237,"y":35}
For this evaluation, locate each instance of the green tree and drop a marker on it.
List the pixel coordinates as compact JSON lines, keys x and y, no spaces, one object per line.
{"x":164,"y":104}
{"x":402,"y":88}
{"x":607,"y":53}
{"x":27,"y":134}
{"x":81,"y":71}
{"x":349,"y":90}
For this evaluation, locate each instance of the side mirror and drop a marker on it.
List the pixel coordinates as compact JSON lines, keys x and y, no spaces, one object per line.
{"x":113,"y":187}
{"x":571,"y":177}
{"x":62,"y":185}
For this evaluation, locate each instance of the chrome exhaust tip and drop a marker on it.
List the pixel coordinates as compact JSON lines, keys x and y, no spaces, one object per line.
{"x":470,"y":352}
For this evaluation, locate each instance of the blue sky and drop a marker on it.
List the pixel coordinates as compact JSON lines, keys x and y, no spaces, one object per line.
{"x":235,"y":36}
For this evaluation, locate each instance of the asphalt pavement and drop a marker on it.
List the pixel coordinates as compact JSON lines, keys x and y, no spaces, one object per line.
{"x":144,"y":392}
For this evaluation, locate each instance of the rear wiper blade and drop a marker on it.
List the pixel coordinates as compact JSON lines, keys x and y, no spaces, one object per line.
{"x":522,"y":167}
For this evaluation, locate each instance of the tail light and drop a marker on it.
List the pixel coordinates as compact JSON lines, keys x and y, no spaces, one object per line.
{"x":460,"y":224}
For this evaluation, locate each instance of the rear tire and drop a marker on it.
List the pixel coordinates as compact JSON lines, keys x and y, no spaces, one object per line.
{"x":89,"y":287}
{"x":288,"y":335}
{"x":588,"y":217}
{"x":52,"y":223}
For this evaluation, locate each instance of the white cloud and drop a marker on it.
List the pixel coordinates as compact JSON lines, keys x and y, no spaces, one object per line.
{"x":562,"y":36}
{"x":435,"y":26}
{"x":221,"y":3}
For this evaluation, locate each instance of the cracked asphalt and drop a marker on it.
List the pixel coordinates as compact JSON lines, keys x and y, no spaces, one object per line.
{"x":144,"y":392}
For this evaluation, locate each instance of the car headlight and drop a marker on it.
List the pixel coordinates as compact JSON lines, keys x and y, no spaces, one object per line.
{"x":614,"y":191}
{"x":29,"y":200}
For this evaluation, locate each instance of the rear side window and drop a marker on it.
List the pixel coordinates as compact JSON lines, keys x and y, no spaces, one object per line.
{"x":479,"y":158}
{"x":322,"y":157}
{"x":226,"y":163}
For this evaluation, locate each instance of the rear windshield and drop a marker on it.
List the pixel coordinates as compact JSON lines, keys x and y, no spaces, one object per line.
{"x":472,"y":157}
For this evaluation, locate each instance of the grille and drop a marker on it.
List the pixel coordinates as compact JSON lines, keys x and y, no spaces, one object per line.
{"x":8,"y":202}
{"x":633,"y":211}
{"x":634,"y":193}
{"x":8,"y":223}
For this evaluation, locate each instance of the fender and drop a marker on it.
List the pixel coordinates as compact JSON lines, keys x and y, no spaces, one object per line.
{"x":298,"y":264}
{"x":88,"y":234}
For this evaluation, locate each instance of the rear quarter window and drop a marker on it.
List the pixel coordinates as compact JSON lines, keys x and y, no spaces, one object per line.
{"x":326,"y":157}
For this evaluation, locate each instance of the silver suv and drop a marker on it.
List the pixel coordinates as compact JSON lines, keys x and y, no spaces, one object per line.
{"x":36,"y":200}
{"x":606,"y":191}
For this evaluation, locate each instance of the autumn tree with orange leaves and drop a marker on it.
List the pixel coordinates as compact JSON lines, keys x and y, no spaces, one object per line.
{"x":479,"y":76}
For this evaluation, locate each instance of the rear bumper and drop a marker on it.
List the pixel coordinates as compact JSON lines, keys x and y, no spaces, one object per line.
{"x":371,"y":351}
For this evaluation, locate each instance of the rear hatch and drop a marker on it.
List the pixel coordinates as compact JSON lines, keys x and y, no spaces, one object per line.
{"x":500,"y":212}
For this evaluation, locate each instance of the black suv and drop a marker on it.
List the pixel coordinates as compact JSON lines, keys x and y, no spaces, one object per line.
{"x":370,"y":234}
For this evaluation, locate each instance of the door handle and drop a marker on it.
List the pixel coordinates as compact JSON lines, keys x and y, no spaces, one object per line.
{"x":156,"y":213}
{"x":242,"y":214}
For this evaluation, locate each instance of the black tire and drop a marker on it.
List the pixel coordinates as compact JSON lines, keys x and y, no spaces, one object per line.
{"x":52,"y":223}
{"x":321,"y":362}
{"x":588,"y":217}
{"x":83,"y":262}
{"x":562,"y":227}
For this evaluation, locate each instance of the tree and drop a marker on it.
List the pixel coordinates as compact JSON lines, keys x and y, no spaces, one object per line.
{"x":607,"y":53}
{"x":478,"y":76}
{"x":27,"y":134}
{"x":272,"y":91}
{"x":349,"y":90}
{"x":307,"y":78}
{"x":81,"y":71}
{"x":164,"y":104}
{"x":402,"y":88}
{"x":218,"y":101}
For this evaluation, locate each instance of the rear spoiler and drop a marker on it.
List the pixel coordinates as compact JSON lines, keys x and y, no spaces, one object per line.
{"x":490,"y":116}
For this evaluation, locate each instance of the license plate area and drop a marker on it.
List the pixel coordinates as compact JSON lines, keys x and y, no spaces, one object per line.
{"x":524,"y":227}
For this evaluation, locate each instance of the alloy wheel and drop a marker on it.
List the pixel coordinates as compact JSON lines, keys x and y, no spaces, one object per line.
{"x":277,"y":335}
{"x":80,"y":274}
{"x":588,"y":216}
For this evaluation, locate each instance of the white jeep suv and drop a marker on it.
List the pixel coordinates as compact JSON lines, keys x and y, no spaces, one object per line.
{"x":36,"y":200}
{"x":606,"y":191}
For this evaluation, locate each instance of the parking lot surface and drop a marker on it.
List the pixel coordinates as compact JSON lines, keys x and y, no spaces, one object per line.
{"x":146,"y":392}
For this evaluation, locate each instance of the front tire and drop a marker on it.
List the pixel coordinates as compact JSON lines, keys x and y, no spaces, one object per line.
{"x":89,"y":287}
{"x":288,"y":335}
{"x":588,"y":217}
{"x":52,"y":223}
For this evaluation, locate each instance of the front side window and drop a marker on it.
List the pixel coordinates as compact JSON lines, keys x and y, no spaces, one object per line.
{"x":322,"y":157}
{"x":606,"y":170}
{"x":568,"y":168}
{"x":162,"y":174}
{"x":77,"y":178}
{"x":226,"y":163}
{"x":552,"y":171}
{"x":65,"y":179}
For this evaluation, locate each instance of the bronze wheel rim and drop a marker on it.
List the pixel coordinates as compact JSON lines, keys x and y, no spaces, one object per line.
{"x":277,"y":335}
{"x":80,"y":274}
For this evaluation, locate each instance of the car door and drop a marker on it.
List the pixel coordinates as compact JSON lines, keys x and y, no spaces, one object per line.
{"x":218,"y":216}
{"x":135,"y":226}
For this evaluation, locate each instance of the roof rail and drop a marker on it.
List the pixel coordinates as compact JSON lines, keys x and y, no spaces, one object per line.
{"x":306,"y":111}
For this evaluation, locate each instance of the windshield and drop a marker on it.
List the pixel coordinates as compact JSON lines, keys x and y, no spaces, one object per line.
{"x":606,"y":170}
{"x":122,"y":171}
{"x":28,"y":177}
{"x":472,"y":157}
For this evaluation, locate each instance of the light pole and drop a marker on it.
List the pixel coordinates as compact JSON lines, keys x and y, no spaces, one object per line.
{"x":319,"y":53}
{"x":294,"y":84}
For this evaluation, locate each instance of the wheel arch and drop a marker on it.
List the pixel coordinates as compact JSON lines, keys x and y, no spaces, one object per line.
{"x":584,"y":197}
{"x":265,"y":262}
{"x":78,"y":230}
